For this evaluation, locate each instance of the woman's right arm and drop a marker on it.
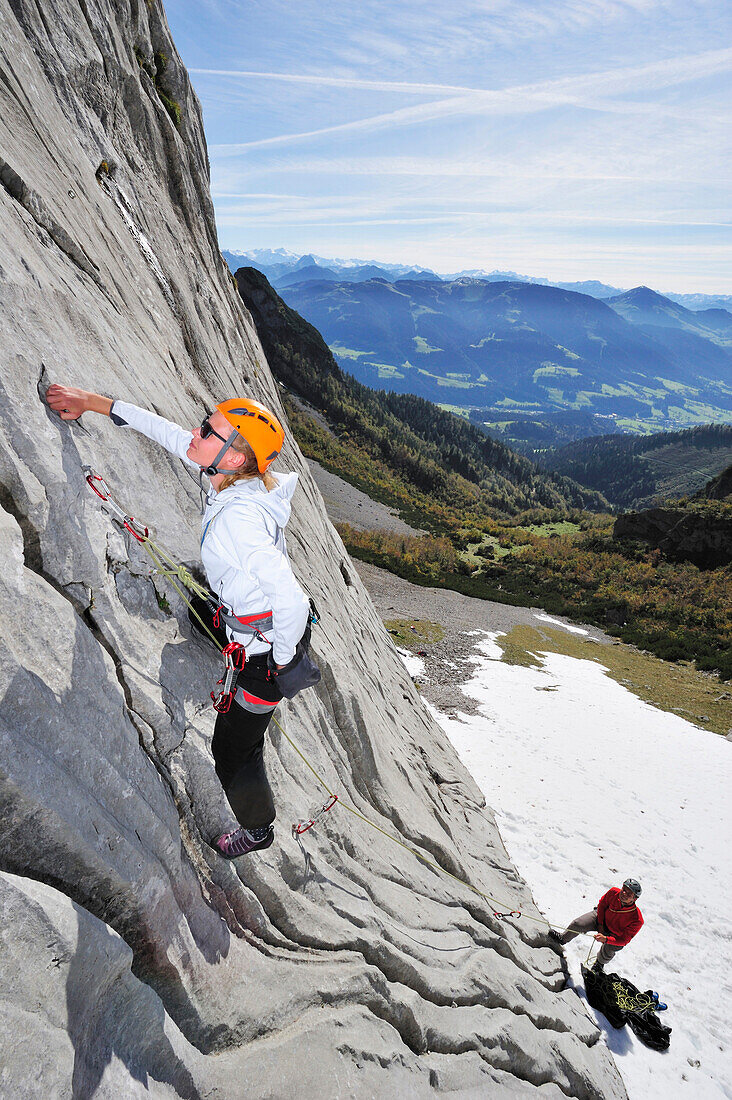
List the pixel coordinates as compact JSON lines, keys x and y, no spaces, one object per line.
{"x":70,"y":403}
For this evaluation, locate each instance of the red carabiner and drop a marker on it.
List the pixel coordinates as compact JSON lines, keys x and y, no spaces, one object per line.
{"x":222,"y":702}
{"x":303,"y":826}
{"x":136,"y":529}
{"x":91,"y":477}
{"x":235,"y":657}
{"x":234,"y":654}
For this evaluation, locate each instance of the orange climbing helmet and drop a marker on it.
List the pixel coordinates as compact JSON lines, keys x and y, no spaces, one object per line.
{"x":260,"y":427}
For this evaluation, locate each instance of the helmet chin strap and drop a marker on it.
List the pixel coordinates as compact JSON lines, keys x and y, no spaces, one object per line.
{"x":214,"y":469}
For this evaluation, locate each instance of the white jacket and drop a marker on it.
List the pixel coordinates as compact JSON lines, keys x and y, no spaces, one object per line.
{"x":242,"y":542}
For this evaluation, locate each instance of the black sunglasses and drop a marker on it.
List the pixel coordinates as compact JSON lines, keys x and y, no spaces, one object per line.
{"x":207,"y":430}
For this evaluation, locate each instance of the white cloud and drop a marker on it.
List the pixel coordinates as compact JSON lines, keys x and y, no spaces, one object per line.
{"x":564,"y":165}
{"x":575,"y":91}
{"x":589,"y":136}
{"x":402,"y":87}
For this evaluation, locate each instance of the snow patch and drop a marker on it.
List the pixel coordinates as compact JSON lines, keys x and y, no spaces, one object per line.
{"x":414,"y":665}
{"x":564,"y":626}
{"x":590,"y":785}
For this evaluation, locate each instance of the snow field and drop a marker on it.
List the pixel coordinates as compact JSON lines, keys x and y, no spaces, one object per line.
{"x":591,"y":785}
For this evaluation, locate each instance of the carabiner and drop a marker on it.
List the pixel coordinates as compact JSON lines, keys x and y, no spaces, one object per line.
{"x":92,"y":477}
{"x":136,"y":529}
{"x":303,"y":826}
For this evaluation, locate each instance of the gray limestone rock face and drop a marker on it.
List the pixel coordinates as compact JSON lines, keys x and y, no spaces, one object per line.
{"x":139,"y":962}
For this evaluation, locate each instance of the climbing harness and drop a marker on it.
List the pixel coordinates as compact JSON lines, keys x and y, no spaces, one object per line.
{"x":255,"y":625}
{"x":176,"y":572}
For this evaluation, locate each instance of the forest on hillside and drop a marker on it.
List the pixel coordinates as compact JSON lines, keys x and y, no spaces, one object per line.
{"x":628,"y":470}
{"x":670,"y":608}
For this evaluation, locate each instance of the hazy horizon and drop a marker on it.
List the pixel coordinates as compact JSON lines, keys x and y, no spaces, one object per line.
{"x":274,"y":249}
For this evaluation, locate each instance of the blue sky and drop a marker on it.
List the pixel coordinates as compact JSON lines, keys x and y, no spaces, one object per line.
{"x":572,"y":139}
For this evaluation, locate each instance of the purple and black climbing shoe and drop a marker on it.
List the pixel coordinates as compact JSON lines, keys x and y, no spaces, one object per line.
{"x":242,"y":841}
{"x":556,"y":936}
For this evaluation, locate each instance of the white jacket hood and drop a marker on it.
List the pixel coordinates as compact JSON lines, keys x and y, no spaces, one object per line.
{"x":276,"y":503}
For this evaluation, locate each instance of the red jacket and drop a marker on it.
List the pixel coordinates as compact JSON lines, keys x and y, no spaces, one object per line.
{"x":619,"y":923}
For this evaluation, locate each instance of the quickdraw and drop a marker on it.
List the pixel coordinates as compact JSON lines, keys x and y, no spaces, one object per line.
{"x":303,"y":826}
{"x":505,"y":916}
{"x":138,"y":530}
{"x":235,"y":657}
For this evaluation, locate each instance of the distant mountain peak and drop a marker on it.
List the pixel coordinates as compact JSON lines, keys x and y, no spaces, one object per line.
{"x":278,"y":262}
{"x":643,"y":295}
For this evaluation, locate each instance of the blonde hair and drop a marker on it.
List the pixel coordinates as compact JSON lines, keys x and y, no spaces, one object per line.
{"x":249,"y":470}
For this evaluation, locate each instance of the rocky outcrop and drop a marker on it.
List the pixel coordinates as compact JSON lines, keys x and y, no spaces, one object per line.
{"x":650,"y":526}
{"x":719,"y":488}
{"x":134,"y":961}
{"x":701,"y":535}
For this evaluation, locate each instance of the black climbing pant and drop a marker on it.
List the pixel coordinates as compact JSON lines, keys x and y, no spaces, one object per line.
{"x":238,"y":740}
{"x":238,"y":752}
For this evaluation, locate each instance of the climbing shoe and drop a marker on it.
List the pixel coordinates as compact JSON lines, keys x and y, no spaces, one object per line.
{"x":242,"y":841}
{"x":554,"y":935}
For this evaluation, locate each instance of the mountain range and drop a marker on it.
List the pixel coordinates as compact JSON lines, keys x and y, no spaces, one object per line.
{"x":529,"y":362}
{"x":405,"y":439}
{"x":284,"y":268}
{"x":515,"y":349}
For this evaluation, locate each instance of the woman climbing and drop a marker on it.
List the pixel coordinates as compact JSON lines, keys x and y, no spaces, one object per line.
{"x":245,"y":558}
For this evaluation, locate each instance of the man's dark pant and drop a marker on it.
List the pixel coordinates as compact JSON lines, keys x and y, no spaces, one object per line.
{"x":588,"y":923}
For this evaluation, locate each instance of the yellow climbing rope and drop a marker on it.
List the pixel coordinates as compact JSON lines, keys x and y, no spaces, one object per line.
{"x":175,"y":571}
{"x":615,"y":988}
{"x":632,"y":1003}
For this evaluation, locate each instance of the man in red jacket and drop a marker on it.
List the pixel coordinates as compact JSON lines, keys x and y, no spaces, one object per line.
{"x":615,"y":921}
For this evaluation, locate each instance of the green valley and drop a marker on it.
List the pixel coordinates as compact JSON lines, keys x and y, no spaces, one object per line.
{"x":639,"y":361}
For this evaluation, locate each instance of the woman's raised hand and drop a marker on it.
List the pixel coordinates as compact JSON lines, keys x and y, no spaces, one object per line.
{"x":70,"y":402}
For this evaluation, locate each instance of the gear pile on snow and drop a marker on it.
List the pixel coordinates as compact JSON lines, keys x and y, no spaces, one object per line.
{"x":623,"y":1003}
